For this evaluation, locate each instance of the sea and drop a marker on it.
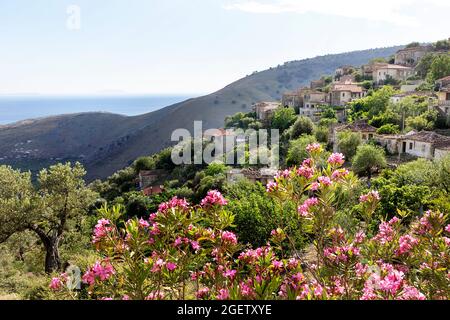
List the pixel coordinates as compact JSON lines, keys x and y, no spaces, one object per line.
{"x":18,"y":108}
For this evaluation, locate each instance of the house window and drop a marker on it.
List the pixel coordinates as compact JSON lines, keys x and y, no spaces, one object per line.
{"x":410,"y":146}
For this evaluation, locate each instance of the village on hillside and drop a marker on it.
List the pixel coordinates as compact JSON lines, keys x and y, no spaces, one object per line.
{"x":340,"y":94}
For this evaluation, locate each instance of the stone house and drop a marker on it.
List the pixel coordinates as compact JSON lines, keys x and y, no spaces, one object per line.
{"x":392,"y":142}
{"x":313,"y":102}
{"x":263,"y":175}
{"x":341,"y":94}
{"x":316,"y":84}
{"x":410,"y":57}
{"x":418,"y":94}
{"x":148,"y":178}
{"x":264,"y":110}
{"x":443,"y":103}
{"x":442,"y":83}
{"x":343,"y":71}
{"x":441,"y":152}
{"x":367,"y":131}
{"x":424,"y":144}
{"x":383,"y":72}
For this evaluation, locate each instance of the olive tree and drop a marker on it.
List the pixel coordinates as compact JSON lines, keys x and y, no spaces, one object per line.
{"x":49,"y":208}
{"x":369,"y":159}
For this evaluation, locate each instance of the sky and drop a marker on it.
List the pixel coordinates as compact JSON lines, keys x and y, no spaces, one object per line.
{"x":72,"y":47}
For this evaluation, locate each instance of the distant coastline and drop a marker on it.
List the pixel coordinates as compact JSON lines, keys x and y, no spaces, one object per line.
{"x":15,"y":108}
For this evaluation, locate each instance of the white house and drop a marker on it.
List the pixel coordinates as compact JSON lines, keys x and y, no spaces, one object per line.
{"x":383,"y":72}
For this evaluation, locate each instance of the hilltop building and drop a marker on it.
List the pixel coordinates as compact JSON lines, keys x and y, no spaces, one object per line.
{"x":264,"y":110}
{"x":382,"y":72}
{"x":410,"y":57}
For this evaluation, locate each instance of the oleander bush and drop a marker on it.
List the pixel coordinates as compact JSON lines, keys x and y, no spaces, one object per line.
{"x":188,"y":252}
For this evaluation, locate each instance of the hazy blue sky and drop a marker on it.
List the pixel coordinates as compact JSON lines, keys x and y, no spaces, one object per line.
{"x":190,"y":46}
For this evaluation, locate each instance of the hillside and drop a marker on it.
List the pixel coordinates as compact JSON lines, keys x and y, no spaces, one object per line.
{"x":105,"y":143}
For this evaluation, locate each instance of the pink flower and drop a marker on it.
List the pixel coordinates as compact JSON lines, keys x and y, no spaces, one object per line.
{"x":100,"y":270}
{"x":171,"y":266}
{"x":304,"y":209}
{"x":411,"y":293}
{"x":155,"y":296}
{"x":406,"y":244}
{"x":339,"y":174}
{"x":325,"y":181}
{"x":314,"y":148}
{"x":230,"y":274}
{"x":306,"y":172}
{"x":370,"y":197}
{"x":447,"y":228}
{"x":360,"y":237}
{"x":126,"y":297}
{"x":229,"y":237}
{"x":174,"y":203}
{"x":360,"y":269}
{"x":272,"y":186}
{"x":213,"y":198}
{"x":283,"y":174}
{"x":56,"y":284}
{"x":202,"y":293}
{"x":315,"y":186}
{"x":246,"y":290}
{"x":143,"y":223}
{"x":386,"y":233}
{"x":101,"y":230}
{"x":277,"y":265}
{"x":195,"y":245}
{"x":223,"y":294}
{"x":336,"y":159}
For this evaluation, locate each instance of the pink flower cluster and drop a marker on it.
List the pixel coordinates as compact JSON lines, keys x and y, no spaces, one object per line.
{"x":306,"y":172}
{"x":370,"y":197}
{"x":174,"y":203}
{"x":314,"y":148}
{"x":325,"y":181}
{"x":214,"y":198}
{"x":57,"y":283}
{"x":406,"y":244}
{"x":229,"y":238}
{"x":272,"y":186}
{"x":391,"y":285}
{"x":101,"y":230}
{"x":100,"y":271}
{"x":339,"y":174}
{"x":386,"y":231}
{"x":336,"y":159}
{"x":305,"y":209}
{"x":341,"y":254}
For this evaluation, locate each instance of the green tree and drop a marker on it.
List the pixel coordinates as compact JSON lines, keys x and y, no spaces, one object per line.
{"x":440,"y":68}
{"x":322,"y":134}
{"x":283,"y":118}
{"x":389,"y":129}
{"x":303,"y":125}
{"x":369,"y":159}
{"x":54,"y":206}
{"x":297,"y":150}
{"x":348,"y":142}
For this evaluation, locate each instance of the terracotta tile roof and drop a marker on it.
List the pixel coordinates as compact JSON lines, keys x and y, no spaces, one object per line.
{"x":415,"y":93}
{"x":391,"y":66}
{"x":347,"y":87}
{"x":447,"y":78}
{"x":357,"y":126}
{"x":437,"y":140}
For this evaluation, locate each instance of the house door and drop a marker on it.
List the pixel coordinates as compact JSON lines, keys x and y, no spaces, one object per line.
{"x":404,"y":147}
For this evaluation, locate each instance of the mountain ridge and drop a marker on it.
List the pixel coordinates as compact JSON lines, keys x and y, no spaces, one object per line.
{"x":106,"y":142}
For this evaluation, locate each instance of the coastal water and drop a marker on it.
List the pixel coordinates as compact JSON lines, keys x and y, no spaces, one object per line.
{"x":17,"y":108}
